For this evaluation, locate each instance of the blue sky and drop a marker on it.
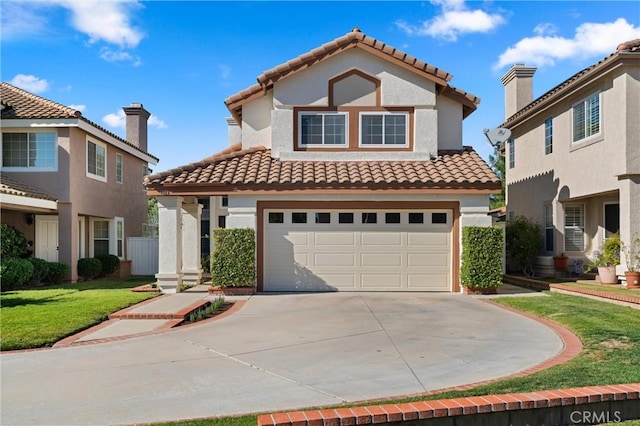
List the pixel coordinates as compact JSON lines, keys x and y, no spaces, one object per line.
{"x":182,"y":59}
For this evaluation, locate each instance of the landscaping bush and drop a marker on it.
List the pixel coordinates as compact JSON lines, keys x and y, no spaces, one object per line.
{"x":15,"y":273}
{"x":56,"y":272}
{"x":524,"y":243}
{"x":40,"y":269}
{"x":205,"y":263}
{"x":89,"y":267}
{"x":12,"y":241}
{"x":481,"y":257}
{"x":110,"y":264}
{"x":233,"y":260}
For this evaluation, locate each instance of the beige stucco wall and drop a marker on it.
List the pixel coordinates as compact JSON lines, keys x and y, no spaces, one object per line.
{"x":449,"y":123}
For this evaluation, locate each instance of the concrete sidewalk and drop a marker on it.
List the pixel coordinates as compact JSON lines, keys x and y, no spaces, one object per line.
{"x":278,"y":352}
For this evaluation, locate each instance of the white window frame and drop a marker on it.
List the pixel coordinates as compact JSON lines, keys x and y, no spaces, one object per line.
{"x":323,"y":114}
{"x":383,"y":144}
{"x":548,"y":136}
{"x":53,"y":168}
{"x":512,"y":152}
{"x":119,"y":168}
{"x":106,"y":166}
{"x":580,"y":227}
{"x":81,"y":237}
{"x":113,"y":242}
{"x":92,"y":238}
{"x":584,"y":102}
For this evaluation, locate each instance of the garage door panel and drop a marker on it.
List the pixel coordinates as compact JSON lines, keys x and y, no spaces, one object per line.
{"x":335,"y":239}
{"x":427,"y":259}
{"x":338,"y":281}
{"x":380,"y":281}
{"x":439,"y":238}
{"x":335,"y":259}
{"x":381,"y":239}
{"x":428,"y":281}
{"x":380,"y":259}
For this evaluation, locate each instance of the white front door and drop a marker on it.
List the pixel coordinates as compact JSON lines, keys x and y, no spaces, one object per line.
{"x":47,"y":238}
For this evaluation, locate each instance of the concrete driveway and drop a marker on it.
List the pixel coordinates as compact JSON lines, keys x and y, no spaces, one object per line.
{"x":278,"y":352}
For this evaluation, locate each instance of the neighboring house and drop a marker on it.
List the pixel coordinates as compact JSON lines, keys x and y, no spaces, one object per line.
{"x":348,"y":162}
{"x":72,"y":187}
{"x":573,"y":160}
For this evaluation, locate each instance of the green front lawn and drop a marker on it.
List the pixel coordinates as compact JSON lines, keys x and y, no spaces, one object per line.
{"x":610,"y":335}
{"x":40,"y":317}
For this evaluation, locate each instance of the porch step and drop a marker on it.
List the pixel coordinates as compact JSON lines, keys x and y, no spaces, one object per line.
{"x":169,"y":307}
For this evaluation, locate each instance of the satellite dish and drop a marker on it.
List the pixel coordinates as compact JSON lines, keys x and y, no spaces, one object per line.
{"x":497,"y":136}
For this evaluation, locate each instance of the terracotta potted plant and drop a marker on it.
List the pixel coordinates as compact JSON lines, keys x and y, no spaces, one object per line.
{"x":560,"y":263}
{"x":632,"y":258}
{"x":607,"y":259}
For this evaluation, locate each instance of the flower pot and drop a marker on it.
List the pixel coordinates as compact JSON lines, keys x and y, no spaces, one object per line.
{"x":633,"y":279}
{"x":608,"y":275}
{"x":561,"y":263}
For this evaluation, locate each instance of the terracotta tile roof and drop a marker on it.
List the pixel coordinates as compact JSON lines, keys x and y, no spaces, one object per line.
{"x":347,"y":41}
{"x":631,"y":46}
{"x":12,"y":186}
{"x":240,"y":168}
{"x":22,"y":105}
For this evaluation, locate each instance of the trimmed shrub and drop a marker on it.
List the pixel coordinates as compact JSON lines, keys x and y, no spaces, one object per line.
{"x":481,"y":257}
{"x":56,"y":272}
{"x":40,"y":269}
{"x":89,"y":267}
{"x":13,"y":242}
{"x":15,"y":273}
{"x":110,"y":264}
{"x":233,"y":261}
{"x":524,"y":243}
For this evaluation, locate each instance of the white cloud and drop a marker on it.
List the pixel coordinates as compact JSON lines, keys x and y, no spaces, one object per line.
{"x":30,"y":83}
{"x":20,"y":19}
{"x":107,"y":21}
{"x":455,"y":20}
{"x":545,"y":28}
{"x":80,"y":108}
{"x":119,"y":119}
{"x":156,"y":122}
{"x":590,"y":39}
{"x":116,"y":56}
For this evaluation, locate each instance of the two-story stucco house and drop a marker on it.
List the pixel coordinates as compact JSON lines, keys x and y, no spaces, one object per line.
{"x":348,"y":161}
{"x":72,"y":187}
{"x":573,"y":161}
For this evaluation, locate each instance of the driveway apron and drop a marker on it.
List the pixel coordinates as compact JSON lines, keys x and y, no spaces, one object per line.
{"x":278,"y":352}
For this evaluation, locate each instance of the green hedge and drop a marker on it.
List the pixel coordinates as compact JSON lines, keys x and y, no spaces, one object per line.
{"x":12,"y":241}
{"x":56,"y":272}
{"x":40,"y":270}
{"x":110,"y":264}
{"x":15,"y":273}
{"x":524,"y":243}
{"x":233,"y":260}
{"x":481,"y":257}
{"x":89,"y":267}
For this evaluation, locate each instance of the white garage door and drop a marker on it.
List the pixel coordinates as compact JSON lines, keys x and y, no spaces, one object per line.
{"x":357,"y":250}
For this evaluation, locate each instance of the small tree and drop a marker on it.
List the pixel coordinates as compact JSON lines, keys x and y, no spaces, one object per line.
{"x":524,"y":243}
{"x":481,"y":257}
{"x":496,"y":162}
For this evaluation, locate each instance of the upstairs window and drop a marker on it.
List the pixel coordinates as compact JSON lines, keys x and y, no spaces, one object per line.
{"x":119,"y":170}
{"x":31,"y":151}
{"x":322,"y":129}
{"x":548,"y":136}
{"x":96,"y":161}
{"x":586,"y":118}
{"x":383,"y":129}
{"x":512,"y":153}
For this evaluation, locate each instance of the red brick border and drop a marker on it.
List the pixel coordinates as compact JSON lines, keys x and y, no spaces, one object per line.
{"x":389,"y":413}
{"x":602,"y":294}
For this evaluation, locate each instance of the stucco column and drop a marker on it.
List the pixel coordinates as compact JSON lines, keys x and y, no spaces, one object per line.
{"x":629,"y":209}
{"x":68,"y":238}
{"x":169,"y":274}
{"x":191,"y":268}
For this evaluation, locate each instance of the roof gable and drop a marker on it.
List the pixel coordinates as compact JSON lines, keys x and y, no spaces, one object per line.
{"x":353,"y":39}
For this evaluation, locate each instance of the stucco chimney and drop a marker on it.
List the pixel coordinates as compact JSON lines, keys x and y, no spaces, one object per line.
{"x":137,"y":118}
{"x":234,"y":132}
{"x":518,"y":88}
